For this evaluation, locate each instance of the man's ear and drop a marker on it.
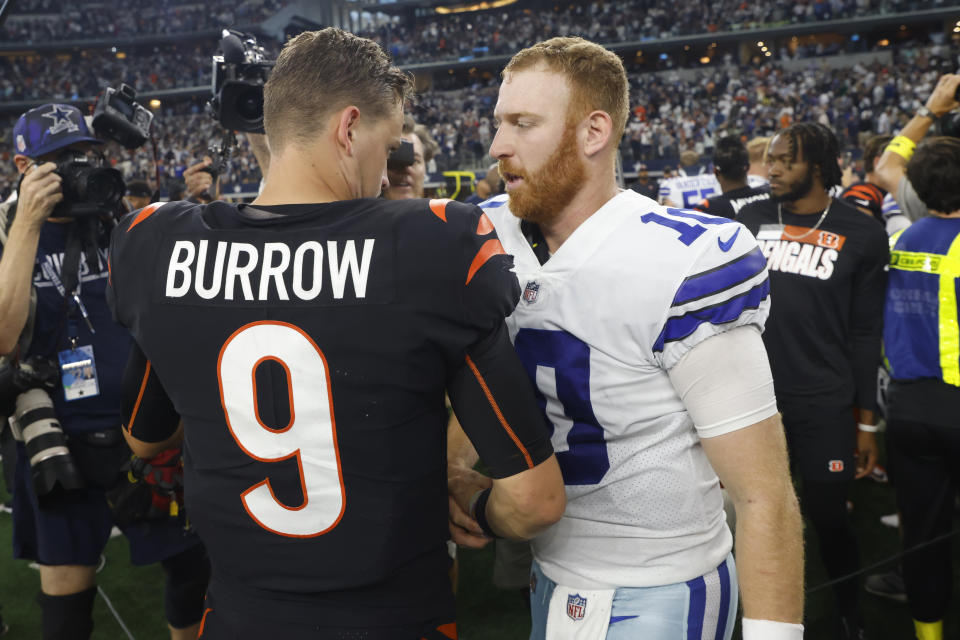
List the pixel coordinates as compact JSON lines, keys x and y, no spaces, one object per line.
{"x":346,"y":128}
{"x":599,"y":129}
{"x":22,"y":162}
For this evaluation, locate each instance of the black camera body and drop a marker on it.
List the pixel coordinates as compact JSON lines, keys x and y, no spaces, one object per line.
{"x":32,"y":373}
{"x":401,"y":157}
{"x":90,"y":188}
{"x":238,"y":78}
{"x":119,"y":117}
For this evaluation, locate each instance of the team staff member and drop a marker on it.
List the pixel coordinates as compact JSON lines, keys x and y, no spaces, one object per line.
{"x":325,"y":325}
{"x":66,"y":532}
{"x":891,"y":168}
{"x":826,"y":262}
{"x":730,"y":164}
{"x":653,"y":389}
{"x":922,"y":346}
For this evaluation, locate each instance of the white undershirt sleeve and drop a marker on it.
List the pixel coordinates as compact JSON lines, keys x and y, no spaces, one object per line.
{"x":725,"y":382}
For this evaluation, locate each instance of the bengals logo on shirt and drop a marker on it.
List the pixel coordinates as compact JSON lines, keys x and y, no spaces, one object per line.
{"x":800,"y":251}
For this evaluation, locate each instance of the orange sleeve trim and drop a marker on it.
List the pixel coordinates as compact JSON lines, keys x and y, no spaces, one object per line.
{"x":145,"y":213}
{"x":484,"y":226}
{"x":496,"y":410}
{"x":489,"y":249}
{"x":439,"y":208}
{"x":136,"y":406}
{"x":449,"y":630}
{"x":203,"y":621}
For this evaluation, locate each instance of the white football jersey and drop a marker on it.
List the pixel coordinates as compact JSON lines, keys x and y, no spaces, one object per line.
{"x":755,"y":182}
{"x":598,"y":326}
{"x":689,"y":191}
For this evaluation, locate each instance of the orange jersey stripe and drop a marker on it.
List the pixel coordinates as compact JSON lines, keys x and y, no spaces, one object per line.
{"x":496,"y":410}
{"x":484,"y":226}
{"x":136,"y":406}
{"x":145,"y":213}
{"x":439,"y":208}
{"x":203,"y":621}
{"x":489,"y":249}
{"x":449,"y":630}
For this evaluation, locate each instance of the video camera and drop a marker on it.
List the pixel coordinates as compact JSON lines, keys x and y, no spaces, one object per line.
{"x":239,"y":74}
{"x":90,"y":186}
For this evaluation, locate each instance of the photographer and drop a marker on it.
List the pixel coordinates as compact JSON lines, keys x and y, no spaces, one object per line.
{"x":54,"y":318}
{"x":891,"y":170}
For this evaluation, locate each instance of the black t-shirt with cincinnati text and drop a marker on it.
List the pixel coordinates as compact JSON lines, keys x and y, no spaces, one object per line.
{"x":307,"y":349}
{"x":827,"y":290}
{"x":728,"y":204}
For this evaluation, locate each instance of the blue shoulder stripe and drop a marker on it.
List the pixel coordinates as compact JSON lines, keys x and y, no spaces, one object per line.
{"x":699,"y":217}
{"x":492,"y":204}
{"x":680,"y":327}
{"x":721,"y":278}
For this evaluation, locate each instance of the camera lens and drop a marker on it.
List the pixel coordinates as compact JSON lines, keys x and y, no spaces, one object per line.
{"x":250,"y":105}
{"x":104,"y":187}
{"x":50,"y":460}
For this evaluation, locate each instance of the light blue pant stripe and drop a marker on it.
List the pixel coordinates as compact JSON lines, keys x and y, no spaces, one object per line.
{"x":704,"y":608}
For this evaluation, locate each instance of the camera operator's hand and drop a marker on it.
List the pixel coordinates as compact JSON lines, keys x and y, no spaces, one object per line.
{"x":40,"y":192}
{"x":943,"y":99}
{"x":197,"y":180}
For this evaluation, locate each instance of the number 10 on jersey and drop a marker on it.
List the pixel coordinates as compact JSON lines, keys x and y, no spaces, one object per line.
{"x":310,"y":436}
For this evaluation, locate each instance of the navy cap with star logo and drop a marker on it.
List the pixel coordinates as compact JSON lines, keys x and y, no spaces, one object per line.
{"x":50,"y":127}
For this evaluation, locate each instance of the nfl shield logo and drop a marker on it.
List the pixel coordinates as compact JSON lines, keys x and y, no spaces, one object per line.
{"x":576,"y":606}
{"x":835,"y":466}
{"x":530,"y":292}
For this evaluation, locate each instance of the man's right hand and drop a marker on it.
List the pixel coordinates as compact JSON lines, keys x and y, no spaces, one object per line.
{"x":943,"y":99}
{"x":40,"y":191}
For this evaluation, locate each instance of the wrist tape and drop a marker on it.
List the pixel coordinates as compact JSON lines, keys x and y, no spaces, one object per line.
{"x":771,"y":630}
{"x":902,"y":146}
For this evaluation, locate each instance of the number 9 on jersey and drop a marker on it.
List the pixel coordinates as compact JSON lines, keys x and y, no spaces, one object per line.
{"x":310,"y":436}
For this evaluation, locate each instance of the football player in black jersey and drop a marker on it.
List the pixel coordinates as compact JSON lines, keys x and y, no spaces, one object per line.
{"x":731,"y":163}
{"x":306,"y":342}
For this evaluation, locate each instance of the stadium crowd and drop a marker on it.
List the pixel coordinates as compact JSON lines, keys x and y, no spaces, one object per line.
{"x":44,"y":21}
{"x":673,"y":111}
{"x":503,"y":31}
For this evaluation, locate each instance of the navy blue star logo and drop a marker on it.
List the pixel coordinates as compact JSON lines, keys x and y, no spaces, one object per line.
{"x":61,"y":120}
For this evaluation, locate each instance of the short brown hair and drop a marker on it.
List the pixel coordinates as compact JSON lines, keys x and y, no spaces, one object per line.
{"x":757,"y":148}
{"x":430,"y":146}
{"x":873,"y":149}
{"x":321,"y":72}
{"x":596,"y":75}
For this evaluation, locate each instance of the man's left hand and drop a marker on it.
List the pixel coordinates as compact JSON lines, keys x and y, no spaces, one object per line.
{"x":197,"y":180}
{"x":868,"y":453}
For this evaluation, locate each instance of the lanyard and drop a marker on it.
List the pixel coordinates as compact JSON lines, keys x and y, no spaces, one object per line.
{"x":51,"y":275}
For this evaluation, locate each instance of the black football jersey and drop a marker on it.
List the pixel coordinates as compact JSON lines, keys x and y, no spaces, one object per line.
{"x":307,"y":349}
{"x":728,"y":205}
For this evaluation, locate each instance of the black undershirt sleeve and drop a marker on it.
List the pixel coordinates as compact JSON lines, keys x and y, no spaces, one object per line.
{"x":494,"y":402}
{"x":866,"y":326}
{"x":148,"y":413}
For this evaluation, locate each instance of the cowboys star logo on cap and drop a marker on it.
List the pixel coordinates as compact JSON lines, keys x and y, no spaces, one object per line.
{"x":61,"y":120}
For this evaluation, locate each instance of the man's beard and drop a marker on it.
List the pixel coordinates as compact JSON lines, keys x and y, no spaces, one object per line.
{"x":796,"y":190}
{"x":544,"y":194}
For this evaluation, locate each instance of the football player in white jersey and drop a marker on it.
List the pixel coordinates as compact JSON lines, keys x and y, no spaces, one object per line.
{"x":687,"y":191}
{"x":640,"y":327}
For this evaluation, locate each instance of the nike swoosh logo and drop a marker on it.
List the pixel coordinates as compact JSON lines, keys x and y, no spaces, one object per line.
{"x":725,"y":245}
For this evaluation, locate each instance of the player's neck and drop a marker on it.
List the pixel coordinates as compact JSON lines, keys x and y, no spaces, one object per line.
{"x":594,"y":195}
{"x":813,"y":203}
{"x":296,"y":180}
{"x":730,"y":185}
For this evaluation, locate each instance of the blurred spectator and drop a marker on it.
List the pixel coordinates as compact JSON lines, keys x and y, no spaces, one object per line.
{"x":138,"y":194}
{"x":731,"y":163}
